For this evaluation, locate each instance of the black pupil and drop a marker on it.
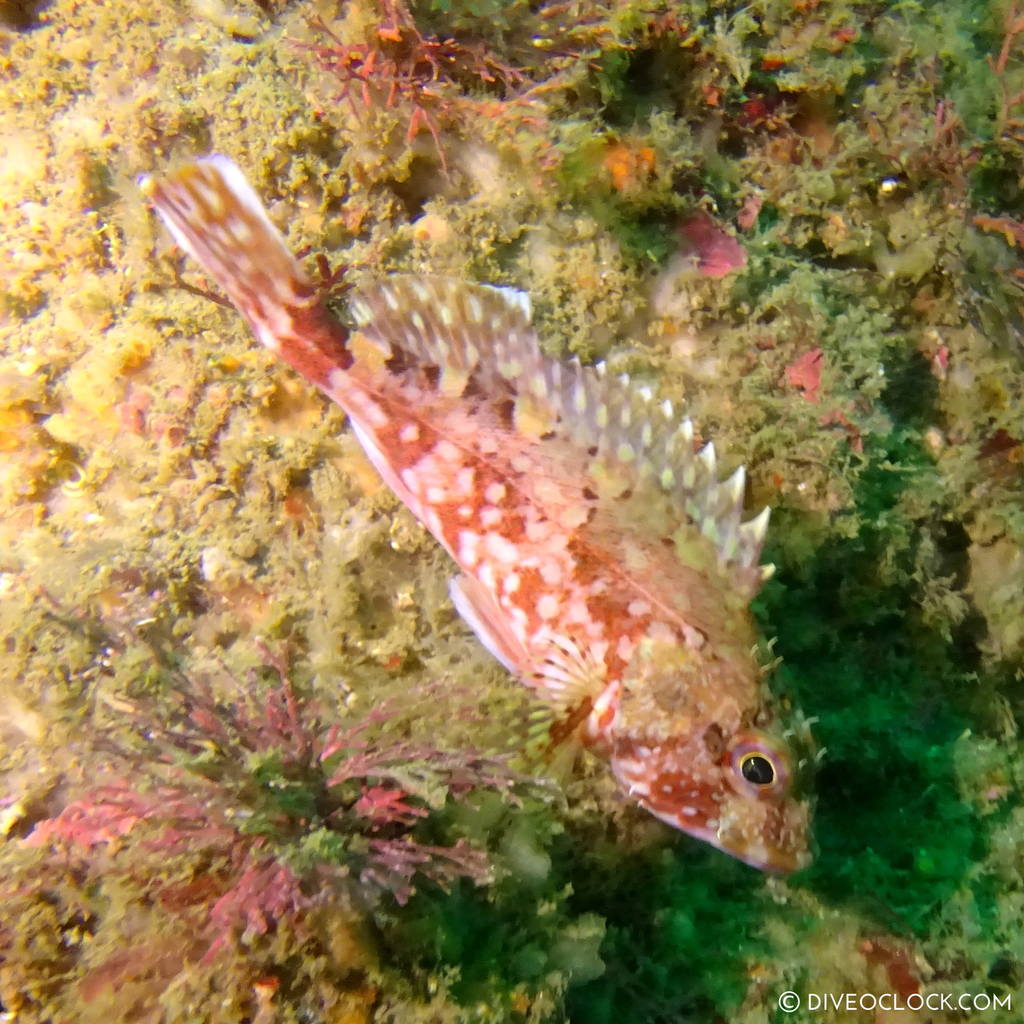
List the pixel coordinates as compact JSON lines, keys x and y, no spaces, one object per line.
{"x":758,"y":770}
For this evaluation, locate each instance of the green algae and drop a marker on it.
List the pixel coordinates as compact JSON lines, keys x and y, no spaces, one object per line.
{"x":891,"y":699}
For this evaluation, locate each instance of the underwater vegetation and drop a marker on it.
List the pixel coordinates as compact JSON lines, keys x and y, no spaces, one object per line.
{"x":800,"y":220}
{"x":239,"y":821}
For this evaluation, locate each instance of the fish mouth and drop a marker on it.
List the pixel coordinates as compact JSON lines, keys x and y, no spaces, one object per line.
{"x":776,"y":860}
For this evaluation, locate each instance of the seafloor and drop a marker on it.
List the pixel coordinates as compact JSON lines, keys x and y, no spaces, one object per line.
{"x":800,"y":219}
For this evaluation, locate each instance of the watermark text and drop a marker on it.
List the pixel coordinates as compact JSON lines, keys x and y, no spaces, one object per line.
{"x":851,"y":1002}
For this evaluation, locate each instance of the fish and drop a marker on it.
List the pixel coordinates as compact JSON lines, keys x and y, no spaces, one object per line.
{"x":601,"y":559}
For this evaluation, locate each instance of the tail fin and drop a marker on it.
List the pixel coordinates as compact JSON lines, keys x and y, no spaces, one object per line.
{"x":216,"y":217}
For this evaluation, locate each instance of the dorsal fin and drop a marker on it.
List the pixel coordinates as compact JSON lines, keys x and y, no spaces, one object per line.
{"x":484,"y":333}
{"x":464,"y":329}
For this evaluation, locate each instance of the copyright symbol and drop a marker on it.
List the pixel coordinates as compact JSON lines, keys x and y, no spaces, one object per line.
{"x":789,"y":1001}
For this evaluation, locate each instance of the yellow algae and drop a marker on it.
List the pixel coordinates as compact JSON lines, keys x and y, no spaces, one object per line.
{"x":23,"y":164}
{"x":64,"y":427}
{"x":228,"y":17}
{"x":353,"y":462}
{"x":290,"y":407}
{"x":533,"y":417}
{"x":90,"y":307}
{"x":17,"y":388}
{"x":16,"y":425}
{"x":133,"y":348}
{"x":367,"y":352}
{"x":93,"y":389}
{"x":28,"y":453}
{"x":432,"y":227}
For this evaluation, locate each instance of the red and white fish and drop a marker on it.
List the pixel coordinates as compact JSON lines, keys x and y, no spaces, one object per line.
{"x":601,"y":559}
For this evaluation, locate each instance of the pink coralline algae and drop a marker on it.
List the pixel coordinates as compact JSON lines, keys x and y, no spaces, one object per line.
{"x":805,"y":373}
{"x":716,"y":252}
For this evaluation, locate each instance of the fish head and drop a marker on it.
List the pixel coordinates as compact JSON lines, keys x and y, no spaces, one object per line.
{"x":694,"y":748}
{"x":740,"y":801}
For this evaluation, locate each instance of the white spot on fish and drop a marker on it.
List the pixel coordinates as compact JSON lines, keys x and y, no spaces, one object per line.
{"x":551,"y":572}
{"x":547,"y":490}
{"x":500,"y":549}
{"x":468,"y":550}
{"x":539,"y":530}
{"x":624,"y":648}
{"x":547,"y":606}
{"x":494,"y":493}
{"x":490,"y":516}
{"x":577,"y":611}
{"x":410,"y":431}
{"x":447,"y":451}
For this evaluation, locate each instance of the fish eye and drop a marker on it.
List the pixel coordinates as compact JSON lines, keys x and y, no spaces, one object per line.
{"x":758,"y":766}
{"x":757,"y":769}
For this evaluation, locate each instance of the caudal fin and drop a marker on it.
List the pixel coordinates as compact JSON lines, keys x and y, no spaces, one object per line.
{"x":216,"y":217}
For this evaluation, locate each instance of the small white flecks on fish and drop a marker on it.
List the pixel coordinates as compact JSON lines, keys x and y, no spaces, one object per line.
{"x":602,"y":561}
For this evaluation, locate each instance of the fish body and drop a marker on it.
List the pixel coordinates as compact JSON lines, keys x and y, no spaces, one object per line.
{"x":601,"y":559}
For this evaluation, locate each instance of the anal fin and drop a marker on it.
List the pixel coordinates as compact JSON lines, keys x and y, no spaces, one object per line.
{"x":484,"y":616}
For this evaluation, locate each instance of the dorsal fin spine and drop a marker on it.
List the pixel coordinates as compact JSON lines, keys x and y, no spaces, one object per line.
{"x":485,"y":330}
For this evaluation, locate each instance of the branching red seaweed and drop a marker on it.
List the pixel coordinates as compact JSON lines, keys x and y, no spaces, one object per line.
{"x":400,"y":65}
{"x":282,"y":812}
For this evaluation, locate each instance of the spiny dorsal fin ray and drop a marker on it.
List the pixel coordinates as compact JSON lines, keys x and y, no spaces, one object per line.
{"x":458,"y":327}
{"x":482,"y":332}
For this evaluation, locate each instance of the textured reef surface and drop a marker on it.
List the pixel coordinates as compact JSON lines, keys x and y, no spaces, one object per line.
{"x":255,"y":767}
